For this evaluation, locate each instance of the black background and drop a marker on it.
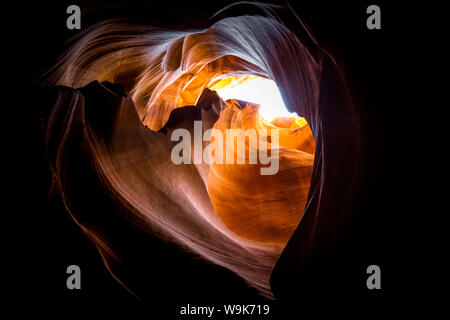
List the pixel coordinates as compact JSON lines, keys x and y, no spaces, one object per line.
{"x":48,"y":241}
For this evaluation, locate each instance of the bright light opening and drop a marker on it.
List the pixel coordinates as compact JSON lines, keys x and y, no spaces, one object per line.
{"x":256,"y":90}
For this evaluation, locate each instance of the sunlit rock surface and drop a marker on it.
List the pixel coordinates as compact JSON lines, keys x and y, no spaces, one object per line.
{"x":264,"y":208}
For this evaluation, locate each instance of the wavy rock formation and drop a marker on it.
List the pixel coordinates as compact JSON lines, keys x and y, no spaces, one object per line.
{"x":254,"y":206}
{"x":229,"y":214}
